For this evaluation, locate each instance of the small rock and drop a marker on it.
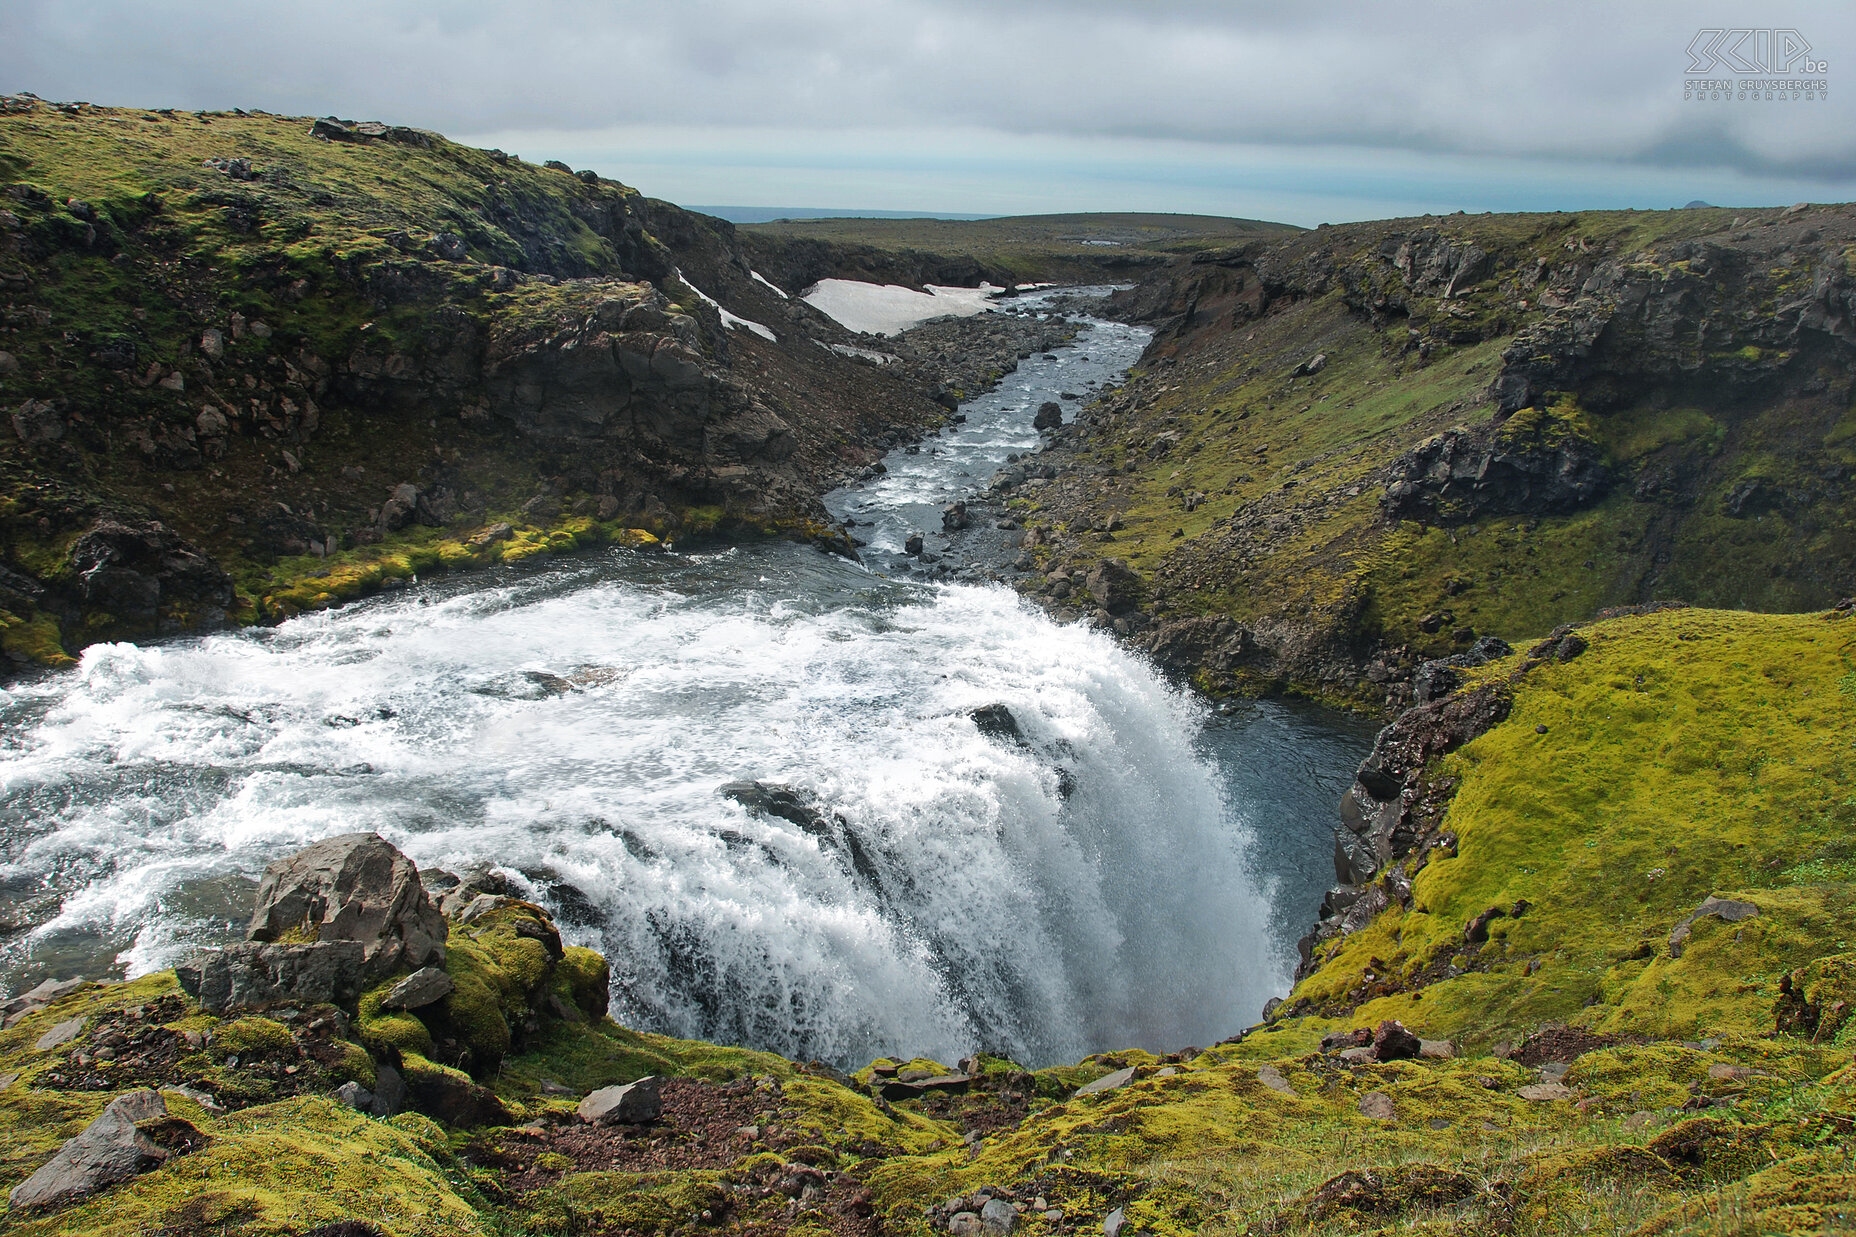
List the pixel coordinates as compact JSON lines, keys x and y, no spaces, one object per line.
{"x":635,"y":1103}
{"x":998,"y":1216}
{"x":913,"y":546}
{"x":1359,"y":1056}
{"x":1114,"y":1222}
{"x":61,"y":1034}
{"x":964,"y":1224}
{"x":1378,"y":1105}
{"x":1436,"y":1049}
{"x":355,"y":1096}
{"x":1545,"y":1092}
{"x":1272,"y":1078}
{"x":1639,"y":1121}
{"x":213,"y":341}
{"x":389,"y":1092}
{"x":1728,"y":909}
{"x":419,"y":989}
{"x":1108,"y":1082}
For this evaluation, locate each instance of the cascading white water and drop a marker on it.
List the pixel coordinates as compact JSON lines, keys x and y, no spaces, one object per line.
{"x":1088,"y":884}
{"x":1082,"y":888}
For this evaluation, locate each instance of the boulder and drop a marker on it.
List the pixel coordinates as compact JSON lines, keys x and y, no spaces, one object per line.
{"x":257,"y":974}
{"x":1392,"y":1042}
{"x":118,"y":1145}
{"x":954,"y":517}
{"x":1049,"y":416}
{"x":997,"y":1216}
{"x":355,"y":887}
{"x":635,"y":1103}
{"x":390,"y":1094}
{"x":37,"y":422}
{"x":995,"y":721}
{"x":59,"y":1035}
{"x":1115,"y":586}
{"x":401,"y":507}
{"x":913,"y":546}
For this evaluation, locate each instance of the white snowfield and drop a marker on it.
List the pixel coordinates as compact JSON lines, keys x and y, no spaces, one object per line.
{"x":730,"y":320}
{"x":890,"y":309}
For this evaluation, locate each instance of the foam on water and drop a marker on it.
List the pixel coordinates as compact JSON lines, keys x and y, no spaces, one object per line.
{"x":1087,"y":887}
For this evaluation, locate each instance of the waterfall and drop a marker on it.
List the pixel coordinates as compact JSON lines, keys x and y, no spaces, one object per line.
{"x":1064,"y":879}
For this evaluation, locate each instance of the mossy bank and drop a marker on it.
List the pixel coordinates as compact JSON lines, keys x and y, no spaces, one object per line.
{"x":1630,"y":915}
{"x":1368,"y":445}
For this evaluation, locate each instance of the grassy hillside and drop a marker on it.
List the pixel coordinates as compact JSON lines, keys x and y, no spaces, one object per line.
{"x":1609,"y":1072}
{"x":1076,"y":248}
{"x":1698,"y":357}
{"x":232,"y":338}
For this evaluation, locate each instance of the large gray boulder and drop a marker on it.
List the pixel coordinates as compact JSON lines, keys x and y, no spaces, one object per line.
{"x":255,"y":974}
{"x":110,"y":1149}
{"x":635,"y":1103}
{"x":355,"y":887}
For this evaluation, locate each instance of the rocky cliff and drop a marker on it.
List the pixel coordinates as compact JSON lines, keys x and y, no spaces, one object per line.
{"x":1366,"y":446}
{"x":252,"y":363}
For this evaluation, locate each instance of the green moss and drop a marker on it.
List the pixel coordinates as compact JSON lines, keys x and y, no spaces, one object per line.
{"x":279,"y":1169}
{"x":1686,"y":753}
{"x":252,"y":1035}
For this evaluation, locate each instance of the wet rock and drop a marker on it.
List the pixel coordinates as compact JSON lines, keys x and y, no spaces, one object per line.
{"x":423,"y":987}
{"x":910,"y":1089}
{"x":1727,"y":909}
{"x":913,"y":546}
{"x":355,"y":887}
{"x":995,"y":721}
{"x":117,"y":1146}
{"x":954,"y":517}
{"x":256,"y":974}
{"x":635,"y":1103}
{"x":1049,"y":416}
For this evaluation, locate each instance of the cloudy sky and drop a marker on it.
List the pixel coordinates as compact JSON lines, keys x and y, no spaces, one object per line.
{"x":1301,"y":112}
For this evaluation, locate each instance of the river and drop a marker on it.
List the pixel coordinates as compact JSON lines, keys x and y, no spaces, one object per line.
{"x":1130,"y":869}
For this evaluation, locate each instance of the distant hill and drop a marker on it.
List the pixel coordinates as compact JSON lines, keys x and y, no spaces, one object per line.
{"x":1016,"y":248}
{"x":775,"y":214}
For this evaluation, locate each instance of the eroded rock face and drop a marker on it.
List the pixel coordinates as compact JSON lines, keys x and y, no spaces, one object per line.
{"x":255,"y":974}
{"x":1463,"y":474}
{"x":136,"y":570}
{"x":355,"y":887}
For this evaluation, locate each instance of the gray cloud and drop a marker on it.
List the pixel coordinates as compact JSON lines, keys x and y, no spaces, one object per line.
{"x":1580,"y":81}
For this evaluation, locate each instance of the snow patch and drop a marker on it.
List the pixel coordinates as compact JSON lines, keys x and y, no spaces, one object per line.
{"x":889,"y":309}
{"x":730,"y":320}
{"x":860,"y":354}
{"x":777,"y":289}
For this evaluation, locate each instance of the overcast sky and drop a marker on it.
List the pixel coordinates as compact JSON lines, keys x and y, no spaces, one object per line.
{"x":1302,"y":112}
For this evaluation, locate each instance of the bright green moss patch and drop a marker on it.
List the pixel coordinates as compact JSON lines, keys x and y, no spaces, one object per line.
{"x":1686,"y":753}
{"x":277,"y":1170}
